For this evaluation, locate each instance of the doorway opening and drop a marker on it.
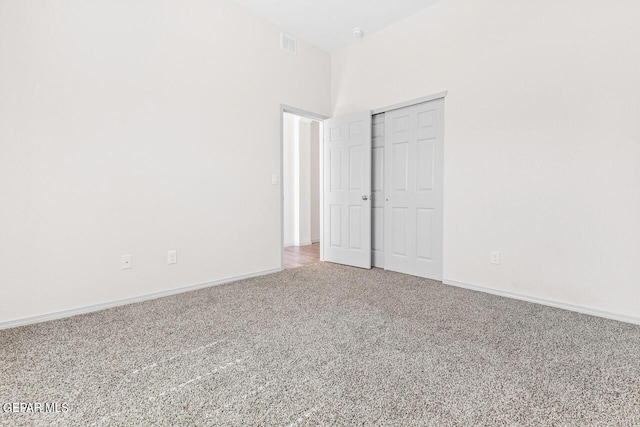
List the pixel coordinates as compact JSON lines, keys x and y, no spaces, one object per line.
{"x":301,"y":188}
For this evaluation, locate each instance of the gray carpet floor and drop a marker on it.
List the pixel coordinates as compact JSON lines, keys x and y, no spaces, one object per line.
{"x":326,"y":345}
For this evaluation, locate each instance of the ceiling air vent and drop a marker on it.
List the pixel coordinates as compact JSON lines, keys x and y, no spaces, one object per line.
{"x":288,"y":43}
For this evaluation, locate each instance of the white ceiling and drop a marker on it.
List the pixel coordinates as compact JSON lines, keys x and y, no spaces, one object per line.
{"x":327,"y":24}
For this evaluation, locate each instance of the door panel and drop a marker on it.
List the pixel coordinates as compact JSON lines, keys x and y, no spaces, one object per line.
{"x":414,"y":188}
{"x":347,"y":176}
{"x":424,"y":228}
{"x":399,"y":232}
{"x":336,"y":169}
{"x":400,"y":165}
{"x":336,"y":226}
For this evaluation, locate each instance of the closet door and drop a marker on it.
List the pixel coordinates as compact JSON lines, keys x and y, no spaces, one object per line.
{"x":414,"y":157}
{"x":347,"y":190}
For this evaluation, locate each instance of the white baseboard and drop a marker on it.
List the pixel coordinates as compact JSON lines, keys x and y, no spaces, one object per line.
{"x":102,"y":306}
{"x":288,"y":245}
{"x":315,"y":241}
{"x":550,"y":303}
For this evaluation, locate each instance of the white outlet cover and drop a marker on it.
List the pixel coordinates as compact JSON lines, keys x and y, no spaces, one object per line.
{"x":274,"y":179}
{"x":172,"y":257}
{"x":495,"y":257}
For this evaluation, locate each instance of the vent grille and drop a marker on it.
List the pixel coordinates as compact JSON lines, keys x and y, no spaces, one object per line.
{"x":288,"y":43}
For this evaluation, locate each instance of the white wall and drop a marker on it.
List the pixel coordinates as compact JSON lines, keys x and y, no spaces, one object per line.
{"x":303,"y":197}
{"x":289,"y":141}
{"x":314,"y":181}
{"x":542,"y":138}
{"x":123,"y":130}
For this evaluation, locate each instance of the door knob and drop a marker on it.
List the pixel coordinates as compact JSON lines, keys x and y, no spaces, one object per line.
{"x":365,"y":197}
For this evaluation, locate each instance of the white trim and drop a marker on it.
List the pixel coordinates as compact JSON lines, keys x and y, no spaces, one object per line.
{"x":303,"y":113}
{"x":288,"y":245}
{"x":550,"y":303}
{"x":103,"y":306}
{"x":280,"y":181}
{"x":410,"y":102}
{"x":321,"y":189}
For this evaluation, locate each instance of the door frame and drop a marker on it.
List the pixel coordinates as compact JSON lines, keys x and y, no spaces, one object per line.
{"x":310,"y":115}
{"x":410,"y":102}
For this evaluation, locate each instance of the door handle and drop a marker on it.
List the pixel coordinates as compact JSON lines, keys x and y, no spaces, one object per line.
{"x":365,"y":197}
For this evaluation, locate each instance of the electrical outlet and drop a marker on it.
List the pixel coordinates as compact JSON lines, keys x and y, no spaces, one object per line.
{"x":274,"y":179}
{"x":125,"y":262}
{"x":172,"y":257}
{"x":495,"y":257}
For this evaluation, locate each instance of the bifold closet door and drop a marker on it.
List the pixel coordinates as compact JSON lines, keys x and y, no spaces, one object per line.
{"x":414,"y":157}
{"x":347,"y":190}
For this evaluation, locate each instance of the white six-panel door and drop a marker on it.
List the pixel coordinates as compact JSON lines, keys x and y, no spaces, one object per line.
{"x":347,"y":190}
{"x":414,"y":157}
